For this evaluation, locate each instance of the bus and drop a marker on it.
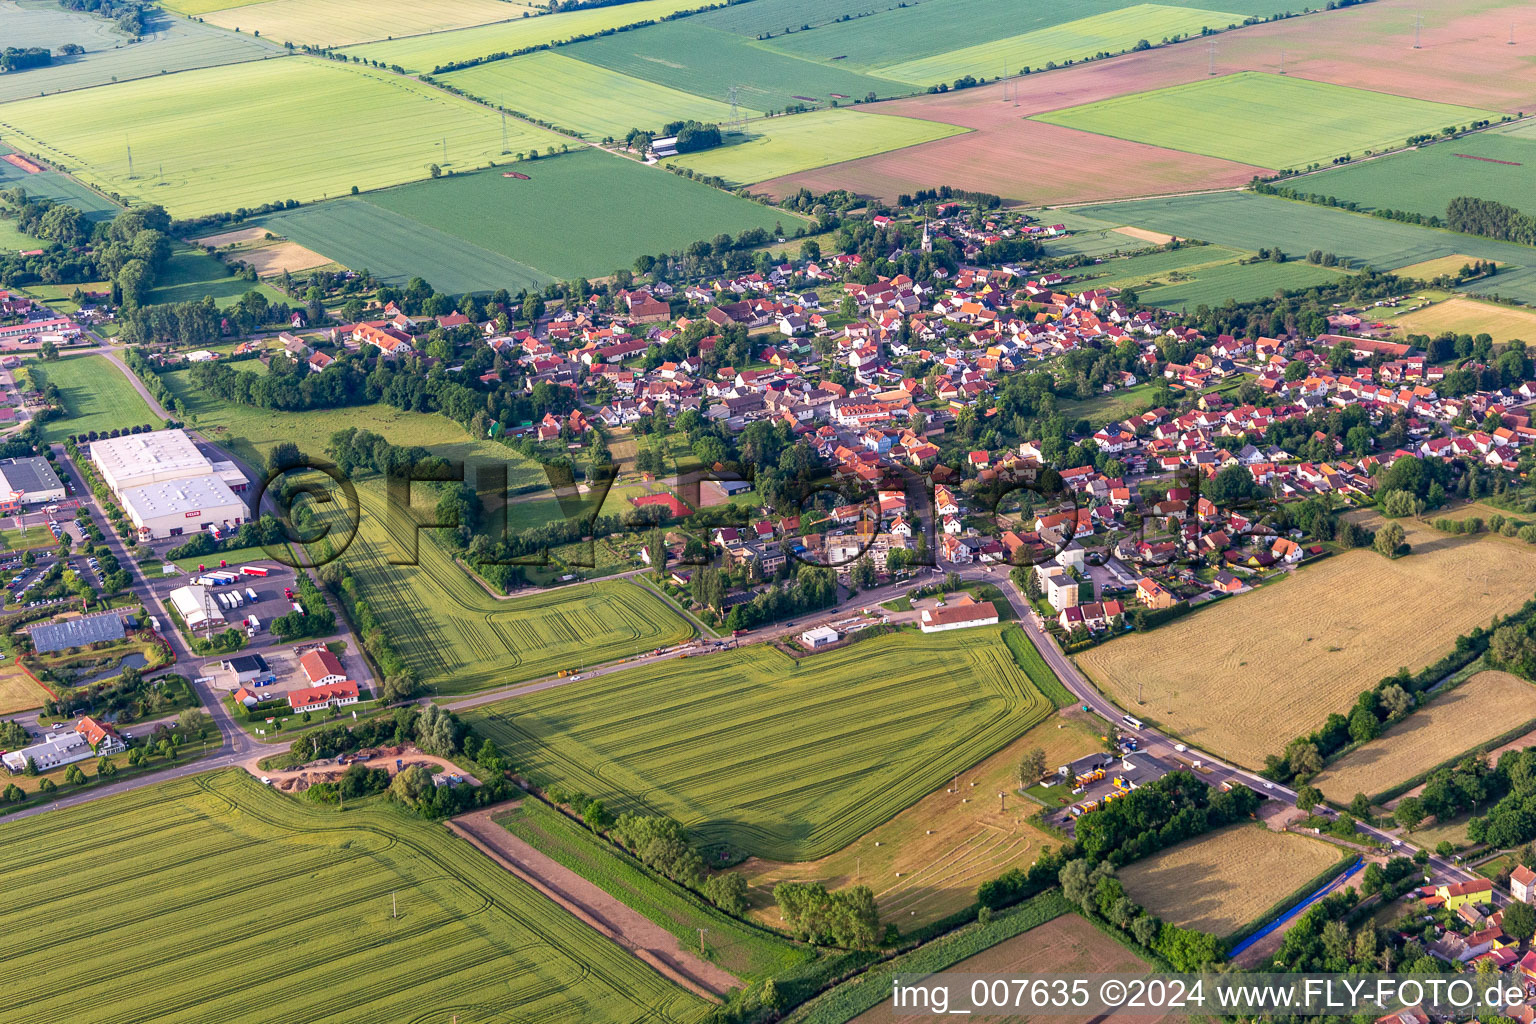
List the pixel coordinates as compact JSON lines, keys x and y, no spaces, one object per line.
{"x":1134,"y":723}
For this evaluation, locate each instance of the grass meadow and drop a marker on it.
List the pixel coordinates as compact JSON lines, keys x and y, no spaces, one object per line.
{"x":1490,"y":165}
{"x":756,"y":752}
{"x":232,"y":902}
{"x":581,"y":97}
{"x":96,"y":396}
{"x":686,"y":55}
{"x":582,"y":214}
{"x":1215,"y":285}
{"x":1224,"y":880}
{"x":18,"y":692}
{"x":52,"y":185}
{"x":1480,"y":709}
{"x":1243,"y":220}
{"x":1263,"y":119}
{"x":329,"y":23}
{"x":783,"y":145}
{"x":1246,"y":675}
{"x":171,"y":44}
{"x":196,"y":148}
{"x":419,"y":54}
{"x":191,"y":274}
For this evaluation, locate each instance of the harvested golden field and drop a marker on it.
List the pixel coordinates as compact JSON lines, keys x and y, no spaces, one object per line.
{"x":1470,"y":316}
{"x":1242,"y":678}
{"x":1225,"y":879}
{"x":1487,"y":705}
{"x":18,"y":692}
{"x":1431,"y":269}
{"x":928,"y":860}
{"x":267,"y":254}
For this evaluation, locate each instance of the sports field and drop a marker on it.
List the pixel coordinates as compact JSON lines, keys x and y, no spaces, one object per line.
{"x":329,"y":23}
{"x":708,"y":62}
{"x":580,"y":214}
{"x":420,"y":54}
{"x":1489,"y":165}
{"x":18,"y":692}
{"x":784,"y":145}
{"x":96,"y":396}
{"x":751,"y":752}
{"x":194,"y":150}
{"x":1224,"y":880}
{"x":927,"y":861}
{"x":171,"y":44}
{"x":1469,"y":316}
{"x":1480,"y":709}
{"x":1271,"y":120}
{"x":582,"y":97}
{"x":362,"y":236}
{"x":256,"y":897}
{"x":1245,"y":676}
{"x":1113,"y":32}
{"x":1244,"y":220}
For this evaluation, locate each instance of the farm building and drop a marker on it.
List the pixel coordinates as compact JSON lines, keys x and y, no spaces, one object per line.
{"x":56,"y":750}
{"x":28,"y":481}
{"x":821,"y":636}
{"x":322,"y":667}
{"x":959,"y":615}
{"x":196,"y":606}
{"x":91,"y":629}
{"x":170,"y":508}
{"x":331,"y":695}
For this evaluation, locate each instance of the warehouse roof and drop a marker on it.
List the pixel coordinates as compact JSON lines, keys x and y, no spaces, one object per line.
{"x":32,"y":475}
{"x":179,"y":497}
{"x":158,"y":452}
{"x":57,"y":636}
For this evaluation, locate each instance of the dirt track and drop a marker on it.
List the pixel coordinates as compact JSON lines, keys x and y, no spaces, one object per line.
{"x":296,"y":780}
{"x":646,"y":940}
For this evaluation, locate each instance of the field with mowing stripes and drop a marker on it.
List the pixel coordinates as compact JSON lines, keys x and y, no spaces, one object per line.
{"x":1485,"y":706}
{"x":1241,"y":678}
{"x":340,"y":22}
{"x":931,"y":856}
{"x":18,"y":692}
{"x":420,"y":54}
{"x":582,"y":97}
{"x":1469,"y":316}
{"x":784,"y":145}
{"x":226,"y":896}
{"x":1269,"y":120}
{"x":197,"y":126}
{"x":1490,"y":165}
{"x":1224,"y":880}
{"x":751,"y":751}
{"x":170,"y":44}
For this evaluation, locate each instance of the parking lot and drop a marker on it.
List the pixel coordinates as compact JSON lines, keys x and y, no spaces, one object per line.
{"x":269,"y":601}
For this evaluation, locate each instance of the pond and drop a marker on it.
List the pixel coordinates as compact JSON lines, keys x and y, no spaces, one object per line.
{"x":134,"y":660}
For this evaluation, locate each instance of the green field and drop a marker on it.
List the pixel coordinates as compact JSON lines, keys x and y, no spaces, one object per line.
{"x":194,"y":8}
{"x":96,"y":396}
{"x":1113,"y":32}
{"x":784,"y":145}
{"x":704,"y":61}
{"x":746,"y":951}
{"x":424,"y":53}
{"x":1263,"y":119}
{"x":903,"y":33}
{"x":328,"y":23}
{"x":170,"y":44}
{"x":195,"y":149}
{"x":191,"y":274}
{"x":1243,"y":220}
{"x":1427,"y":179}
{"x":581,"y":97}
{"x":225,"y":896}
{"x":55,"y":186}
{"x":394,"y":249}
{"x":581,"y":214}
{"x":1215,"y":285}
{"x":786,"y":762}
{"x":1137,"y":271}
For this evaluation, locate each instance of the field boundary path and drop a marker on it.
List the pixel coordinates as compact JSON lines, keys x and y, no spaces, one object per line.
{"x":646,"y":940}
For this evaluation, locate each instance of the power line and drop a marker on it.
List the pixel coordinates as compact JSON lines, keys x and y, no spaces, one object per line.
{"x":1212,"y":69}
{"x":1418,"y":23}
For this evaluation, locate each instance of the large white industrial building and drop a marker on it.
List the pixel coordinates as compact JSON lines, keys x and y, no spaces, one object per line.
{"x":167,"y":486}
{"x":28,"y":481}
